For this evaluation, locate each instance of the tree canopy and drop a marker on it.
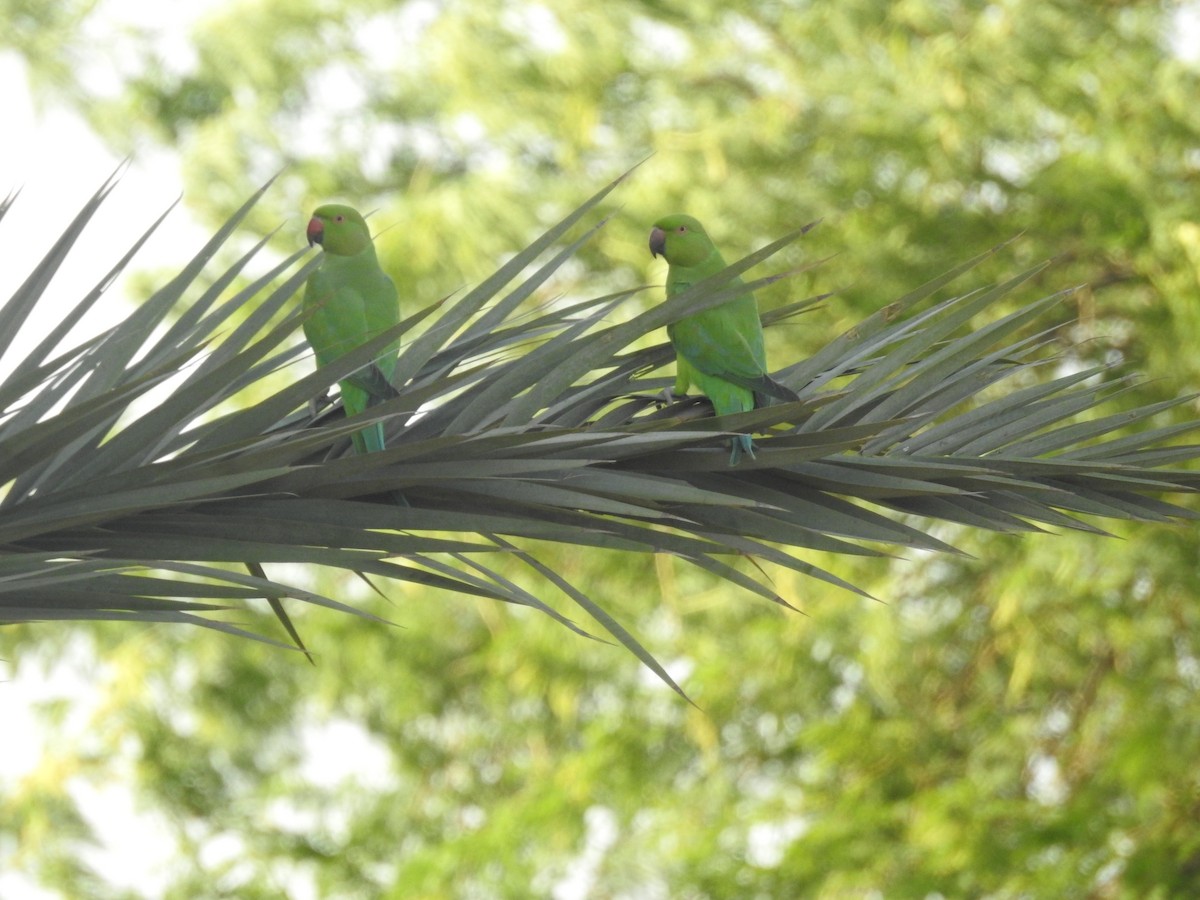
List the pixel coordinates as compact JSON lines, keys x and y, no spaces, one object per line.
{"x":1017,"y":722}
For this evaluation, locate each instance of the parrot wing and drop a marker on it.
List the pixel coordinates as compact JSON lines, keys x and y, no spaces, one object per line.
{"x":346,"y":310}
{"x":727,"y":342}
{"x":381,"y":311}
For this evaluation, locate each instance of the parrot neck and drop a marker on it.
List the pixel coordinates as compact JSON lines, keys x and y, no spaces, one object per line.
{"x":710,"y":265}
{"x":366,"y":254}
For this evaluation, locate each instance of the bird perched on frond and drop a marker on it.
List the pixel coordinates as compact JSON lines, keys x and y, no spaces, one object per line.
{"x":350,"y":300}
{"x":719,"y":349}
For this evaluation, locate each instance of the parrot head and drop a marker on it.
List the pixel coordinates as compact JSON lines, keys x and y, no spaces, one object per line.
{"x":680,"y":240}
{"x":339,"y":229}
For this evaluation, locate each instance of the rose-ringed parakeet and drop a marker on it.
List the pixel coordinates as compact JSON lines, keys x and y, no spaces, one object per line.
{"x":349,"y":300}
{"x":719,"y":349}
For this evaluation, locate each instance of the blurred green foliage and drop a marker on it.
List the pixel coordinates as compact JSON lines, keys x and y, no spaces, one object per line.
{"x":1024,"y":723}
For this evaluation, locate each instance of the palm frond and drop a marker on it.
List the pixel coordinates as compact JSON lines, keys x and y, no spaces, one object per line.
{"x":509,"y":424}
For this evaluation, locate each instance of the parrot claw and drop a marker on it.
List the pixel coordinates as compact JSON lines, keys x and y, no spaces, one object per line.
{"x":317,"y":403}
{"x":670,"y":396}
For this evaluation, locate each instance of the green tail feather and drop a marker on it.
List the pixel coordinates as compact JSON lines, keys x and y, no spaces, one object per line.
{"x":740,"y":444}
{"x":369,"y":440}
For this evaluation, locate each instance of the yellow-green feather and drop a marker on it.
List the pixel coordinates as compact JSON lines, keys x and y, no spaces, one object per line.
{"x":351,"y":300}
{"x":719,"y":349}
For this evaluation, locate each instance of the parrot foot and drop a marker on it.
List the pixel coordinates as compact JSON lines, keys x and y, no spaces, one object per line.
{"x":317,"y":403}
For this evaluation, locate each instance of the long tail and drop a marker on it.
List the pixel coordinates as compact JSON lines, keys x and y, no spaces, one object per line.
{"x":740,"y":444}
{"x":767,"y":391}
{"x":369,"y":440}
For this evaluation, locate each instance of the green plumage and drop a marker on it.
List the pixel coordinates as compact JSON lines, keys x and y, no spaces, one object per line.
{"x":350,"y":300}
{"x":719,"y":349}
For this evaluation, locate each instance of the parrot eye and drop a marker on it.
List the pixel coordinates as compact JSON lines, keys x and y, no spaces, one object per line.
{"x":339,"y":218}
{"x":682,"y":229}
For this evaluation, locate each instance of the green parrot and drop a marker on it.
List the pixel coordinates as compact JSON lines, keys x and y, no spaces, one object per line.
{"x":350,"y":300}
{"x":719,"y":349}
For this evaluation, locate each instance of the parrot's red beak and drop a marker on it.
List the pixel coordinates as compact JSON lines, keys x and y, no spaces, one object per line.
{"x":658,"y":242}
{"x":316,"y":231}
